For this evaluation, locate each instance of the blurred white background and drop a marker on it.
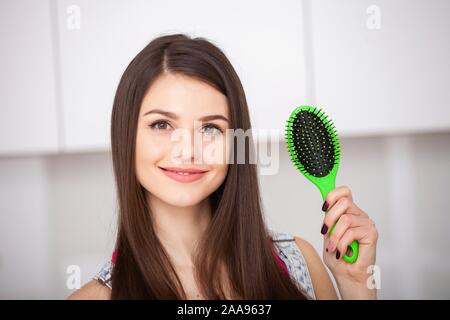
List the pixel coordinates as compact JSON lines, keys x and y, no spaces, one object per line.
{"x":380,"y":69}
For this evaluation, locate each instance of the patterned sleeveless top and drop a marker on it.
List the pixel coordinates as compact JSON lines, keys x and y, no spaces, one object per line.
{"x":286,"y":251}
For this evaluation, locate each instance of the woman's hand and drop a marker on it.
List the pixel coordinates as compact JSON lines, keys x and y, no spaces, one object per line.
{"x":352,"y":224}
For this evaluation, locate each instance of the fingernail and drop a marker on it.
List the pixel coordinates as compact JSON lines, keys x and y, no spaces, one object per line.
{"x":338,"y":254}
{"x":326,"y":249}
{"x":325,"y":206}
{"x":324,"y":229}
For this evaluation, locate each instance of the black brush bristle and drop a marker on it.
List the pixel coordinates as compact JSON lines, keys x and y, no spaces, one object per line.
{"x":313,"y":143}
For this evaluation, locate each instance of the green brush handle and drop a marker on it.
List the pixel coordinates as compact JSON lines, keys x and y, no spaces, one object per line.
{"x":327,"y":184}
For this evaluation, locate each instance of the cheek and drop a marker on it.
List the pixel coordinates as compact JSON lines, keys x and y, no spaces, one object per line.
{"x":220,"y":172}
{"x":149,"y":151}
{"x":215,"y":152}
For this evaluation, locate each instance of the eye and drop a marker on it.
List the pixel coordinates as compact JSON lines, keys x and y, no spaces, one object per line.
{"x":159,"y":125}
{"x":215,"y":129}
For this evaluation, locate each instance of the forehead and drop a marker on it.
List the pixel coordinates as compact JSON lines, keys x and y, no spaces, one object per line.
{"x":185,"y":96}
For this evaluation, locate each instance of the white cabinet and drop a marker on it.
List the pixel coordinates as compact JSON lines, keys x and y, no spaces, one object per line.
{"x":61,"y":62}
{"x":387,"y":80}
{"x":28,"y":108}
{"x":263,"y":40}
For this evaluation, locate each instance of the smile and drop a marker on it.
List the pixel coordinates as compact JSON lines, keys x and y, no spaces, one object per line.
{"x":183,"y":175}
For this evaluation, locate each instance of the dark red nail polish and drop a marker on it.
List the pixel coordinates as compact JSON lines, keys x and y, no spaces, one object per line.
{"x":324,"y":229}
{"x":326,"y":249}
{"x":338,"y":254}
{"x":325,"y":206}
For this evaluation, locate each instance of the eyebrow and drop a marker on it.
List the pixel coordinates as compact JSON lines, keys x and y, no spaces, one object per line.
{"x":174,"y":116}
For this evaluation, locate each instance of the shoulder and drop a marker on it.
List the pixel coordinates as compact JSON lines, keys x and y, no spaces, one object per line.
{"x":93,"y":290}
{"x":322,"y":284}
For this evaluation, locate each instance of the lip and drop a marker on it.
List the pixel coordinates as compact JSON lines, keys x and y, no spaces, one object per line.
{"x":194,"y":174}
{"x":190,"y":170}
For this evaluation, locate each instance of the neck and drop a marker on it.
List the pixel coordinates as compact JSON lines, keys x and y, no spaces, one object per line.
{"x":180,"y":228}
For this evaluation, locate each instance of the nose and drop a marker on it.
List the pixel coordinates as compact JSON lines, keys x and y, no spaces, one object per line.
{"x":189,"y":150}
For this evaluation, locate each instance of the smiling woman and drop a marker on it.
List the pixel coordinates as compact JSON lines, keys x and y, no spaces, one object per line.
{"x":190,"y":229}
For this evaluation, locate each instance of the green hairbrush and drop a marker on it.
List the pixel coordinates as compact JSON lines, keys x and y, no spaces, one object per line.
{"x":314,"y":149}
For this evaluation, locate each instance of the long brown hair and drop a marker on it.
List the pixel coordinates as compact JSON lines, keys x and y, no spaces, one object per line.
{"x":236,"y":235}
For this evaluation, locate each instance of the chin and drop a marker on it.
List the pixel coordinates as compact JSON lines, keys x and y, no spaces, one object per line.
{"x":184,"y":199}
{"x":181,"y":195}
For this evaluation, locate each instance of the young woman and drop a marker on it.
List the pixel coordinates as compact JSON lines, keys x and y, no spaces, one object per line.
{"x":195,"y":229}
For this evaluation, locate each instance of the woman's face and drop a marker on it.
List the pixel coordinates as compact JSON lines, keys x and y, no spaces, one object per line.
{"x":170,"y":134}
